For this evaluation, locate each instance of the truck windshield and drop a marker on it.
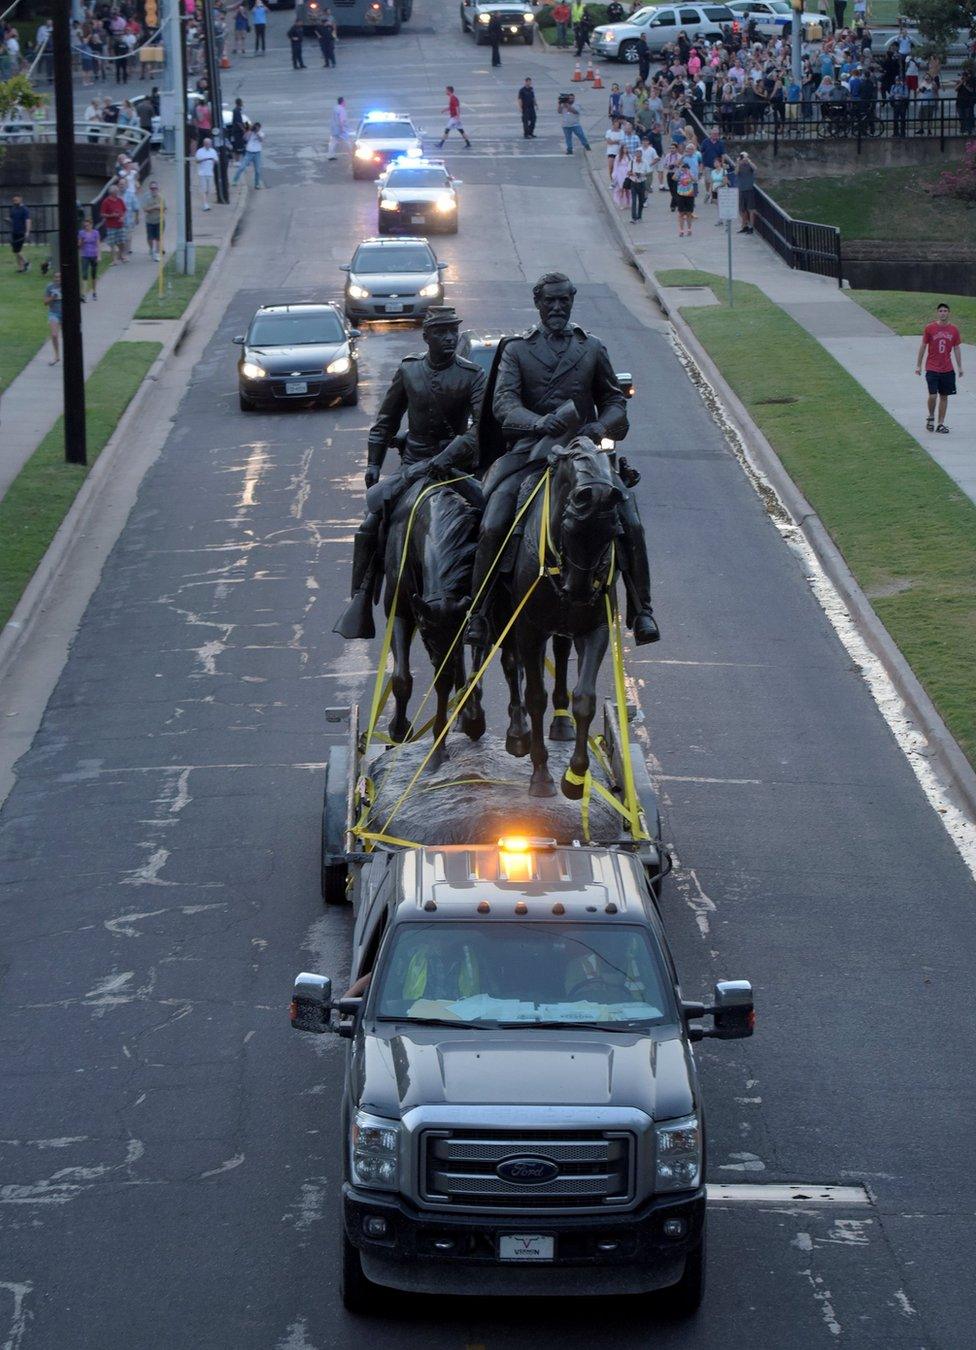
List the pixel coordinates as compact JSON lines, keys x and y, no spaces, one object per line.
{"x":523,"y":974}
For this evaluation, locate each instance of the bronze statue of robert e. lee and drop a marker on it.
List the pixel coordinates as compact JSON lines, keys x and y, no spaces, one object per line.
{"x":440,"y":393}
{"x":555,"y":381}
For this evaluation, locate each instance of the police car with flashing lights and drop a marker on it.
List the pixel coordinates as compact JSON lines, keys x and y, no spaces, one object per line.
{"x":522,"y":1111}
{"x":517,"y":21}
{"x":414,"y":193}
{"x":774,"y":18}
{"x":382,"y":137}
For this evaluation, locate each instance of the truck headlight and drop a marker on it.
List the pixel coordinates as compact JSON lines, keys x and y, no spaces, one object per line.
{"x":528,"y":18}
{"x":358,"y":292}
{"x":375,"y":1151}
{"x":252,"y":371}
{"x":388,"y":204}
{"x":484,"y":18}
{"x":446,"y":205}
{"x":428,"y":292}
{"x":678,"y":1166}
{"x":363,"y":152}
{"x":339,"y":366}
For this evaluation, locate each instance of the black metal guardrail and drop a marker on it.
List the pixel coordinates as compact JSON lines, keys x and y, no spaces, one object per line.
{"x":845,"y":120}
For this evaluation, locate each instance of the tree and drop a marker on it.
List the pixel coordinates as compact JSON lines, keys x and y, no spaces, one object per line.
{"x":18,"y":93}
{"x":939,"y":20}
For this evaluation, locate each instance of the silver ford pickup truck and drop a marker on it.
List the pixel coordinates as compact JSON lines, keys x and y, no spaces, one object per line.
{"x":521,"y":1112}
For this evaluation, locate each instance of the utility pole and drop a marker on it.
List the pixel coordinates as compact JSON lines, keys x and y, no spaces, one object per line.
{"x":796,"y":41}
{"x":175,"y":106}
{"x":72,"y":352}
{"x":216,"y":101}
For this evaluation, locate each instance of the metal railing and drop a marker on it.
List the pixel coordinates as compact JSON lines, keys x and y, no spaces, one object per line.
{"x":803,"y":245}
{"x":25,"y":131}
{"x":844,"y":120}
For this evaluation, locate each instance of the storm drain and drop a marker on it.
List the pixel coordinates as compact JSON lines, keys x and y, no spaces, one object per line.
{"x":790,"y":1193}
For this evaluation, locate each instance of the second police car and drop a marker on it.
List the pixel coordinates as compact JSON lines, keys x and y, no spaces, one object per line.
{"x":417,"y":192}
{"x":380,"y":138}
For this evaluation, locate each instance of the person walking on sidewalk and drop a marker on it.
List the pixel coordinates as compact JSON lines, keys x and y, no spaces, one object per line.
{"x":52,"y":300}
{"x":495,"y":39}
{"x":527,"y":107}
{"x":89,"y":247}
{"x":296,"y":36}
{"x":207,"y":160}
{"x":259,"y":17}
{"x":152,"y":213}
{"x":641,"y":164}
{"x":113,"y":217}
{"x":20,"y":228}
{"x":253,"y":145}
{"x":939,"y":341}
{"x":338,"y":128}
{"x":453,"y":111}
{"x":569,"y":116}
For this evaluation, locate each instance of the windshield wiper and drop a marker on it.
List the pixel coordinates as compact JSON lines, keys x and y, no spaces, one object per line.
{"x":586,"y":1026}
{"x":439,"y":1022}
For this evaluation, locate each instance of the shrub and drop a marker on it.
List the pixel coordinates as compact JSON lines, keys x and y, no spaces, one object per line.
{"x":959,"y":183}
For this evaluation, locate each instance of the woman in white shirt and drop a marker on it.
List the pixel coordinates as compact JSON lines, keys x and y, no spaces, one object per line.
{"x":614,"y":137}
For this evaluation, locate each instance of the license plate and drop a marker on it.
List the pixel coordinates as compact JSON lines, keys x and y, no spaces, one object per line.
{"x":296,"y":387}
{"x":394,"y":309}
{"x":526,"y":1247}
{"x":417,"y":220}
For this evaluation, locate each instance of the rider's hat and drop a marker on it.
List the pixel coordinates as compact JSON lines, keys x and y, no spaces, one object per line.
{"x":442,"y":316}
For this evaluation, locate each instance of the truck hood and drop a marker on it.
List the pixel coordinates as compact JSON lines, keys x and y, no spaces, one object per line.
{"x":395,"y":1070}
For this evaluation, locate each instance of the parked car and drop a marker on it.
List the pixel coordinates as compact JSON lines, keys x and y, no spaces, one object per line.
{"x":774,"y":17}
{"x":661,"y":26}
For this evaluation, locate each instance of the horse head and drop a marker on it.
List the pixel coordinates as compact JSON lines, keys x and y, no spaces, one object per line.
{"x":583,"y":516}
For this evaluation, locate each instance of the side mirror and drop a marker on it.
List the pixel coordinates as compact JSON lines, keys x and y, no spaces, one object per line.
{"x":311,"y":1003}
{"x":457,"y":182}
{"x":355,"y":332}
{"x":345,"y":267}
{"x":442,"y":267}
{"x":733,"y":1013}
{"x":239,"y":340}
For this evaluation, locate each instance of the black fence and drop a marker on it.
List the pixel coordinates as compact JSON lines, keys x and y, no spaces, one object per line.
{"x":802,"y":244}
{"x":845,"y":120}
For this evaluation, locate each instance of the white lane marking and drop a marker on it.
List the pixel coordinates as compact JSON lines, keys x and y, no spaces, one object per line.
{"x":901,"y":1298}
{"x":791,"y":1193}
{"x":227,"y":1166}
{"x":694,"y":778}
{"x":296,"y":1337}
{"x":911,"y":741}
{"x":20,"y":1315}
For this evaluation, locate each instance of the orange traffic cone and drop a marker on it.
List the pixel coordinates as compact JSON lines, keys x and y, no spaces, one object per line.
{"x":577,"y":73}
{"x":597,"y":82}
{"x":589,"y":67}
{"x":225,"y":63}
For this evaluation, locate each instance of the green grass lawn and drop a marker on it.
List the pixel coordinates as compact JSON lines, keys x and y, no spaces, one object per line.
{"x":37,"y":500}
{"x":23,"y":318}
{"x":178,"y":290}
{"x":879,"y":204}
{"x":907,"y":531}
{"x":907,"y":312}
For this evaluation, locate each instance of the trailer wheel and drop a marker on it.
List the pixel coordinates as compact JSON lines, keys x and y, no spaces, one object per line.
{"x":334,"y":875}
{"x":359,"y":1295}
{"x":335,"y":869}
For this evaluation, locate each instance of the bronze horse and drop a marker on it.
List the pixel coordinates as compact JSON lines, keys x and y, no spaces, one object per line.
{"x":567,"y":604}
{"x":433,"y":595}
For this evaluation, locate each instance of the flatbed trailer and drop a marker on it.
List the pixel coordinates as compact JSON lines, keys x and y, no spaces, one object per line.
{"x":485,"y":813}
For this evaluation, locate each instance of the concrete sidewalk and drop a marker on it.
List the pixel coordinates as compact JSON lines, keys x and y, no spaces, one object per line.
{"x":880,"y":360}
{"x":33,"y":401}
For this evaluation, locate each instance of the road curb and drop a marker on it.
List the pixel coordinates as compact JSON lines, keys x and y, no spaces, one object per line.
{"x":31,"y":605}
{"x":945,"y":755}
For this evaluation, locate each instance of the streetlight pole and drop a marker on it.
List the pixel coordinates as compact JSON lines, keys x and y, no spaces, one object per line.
{"x":72,"y":352}
{"x":796,"y":41}
{"x":216,"y":101}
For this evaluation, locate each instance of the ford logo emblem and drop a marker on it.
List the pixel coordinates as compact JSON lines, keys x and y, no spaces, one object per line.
{"x":527,"y":1170}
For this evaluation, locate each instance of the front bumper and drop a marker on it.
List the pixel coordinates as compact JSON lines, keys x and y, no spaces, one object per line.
{"x":382,"y":307}
{"x":513,"y":30}
{"x":451,"y":1253}
{"x":272,"y":389}
{"x":411,"y":216}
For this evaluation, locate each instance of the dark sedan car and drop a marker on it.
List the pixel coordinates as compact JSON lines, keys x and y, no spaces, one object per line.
{"x":298,"y":354}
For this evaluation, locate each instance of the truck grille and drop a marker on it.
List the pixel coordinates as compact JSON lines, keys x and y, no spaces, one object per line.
{"x":595,"y":1168}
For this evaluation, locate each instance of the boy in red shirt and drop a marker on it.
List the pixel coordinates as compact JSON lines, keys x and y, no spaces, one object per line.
{"x":453,"y":111}
{"x":940,"y":340}
{"x":113,"y":218}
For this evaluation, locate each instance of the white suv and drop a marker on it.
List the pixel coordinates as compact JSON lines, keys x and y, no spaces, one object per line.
{"x":661,"y":25}
{"x":775,"y":17}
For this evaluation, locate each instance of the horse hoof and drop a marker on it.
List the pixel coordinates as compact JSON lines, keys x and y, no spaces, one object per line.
{"x":438,"y":758}
{"x":517,"y":744}
{"x":397,"y":732}
{"x":574,"y":791}
{"x":562,"y":729}
{"x":542,"y":785}
{"x":474,"y":727}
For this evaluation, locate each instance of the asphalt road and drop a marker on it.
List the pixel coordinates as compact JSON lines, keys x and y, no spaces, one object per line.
{"x":168,"y":1153}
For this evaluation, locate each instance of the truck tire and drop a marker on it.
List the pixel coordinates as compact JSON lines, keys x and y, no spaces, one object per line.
{"x":684,"y":1298}
{"x":627,"y":52}
{"x":359,"y":1295}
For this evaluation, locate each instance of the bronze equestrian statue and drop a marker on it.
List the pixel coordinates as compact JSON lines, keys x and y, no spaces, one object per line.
{"x":441,"y":394}
{"x":552,"y":382}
